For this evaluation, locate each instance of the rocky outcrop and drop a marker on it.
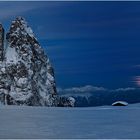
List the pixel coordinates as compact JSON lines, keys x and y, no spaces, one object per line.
{"x":1,"y":42}
{"x":65,"y":101}
{"x":26,"y":74}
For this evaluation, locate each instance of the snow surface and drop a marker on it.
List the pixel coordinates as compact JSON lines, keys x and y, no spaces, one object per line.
{"x":93,"y":122}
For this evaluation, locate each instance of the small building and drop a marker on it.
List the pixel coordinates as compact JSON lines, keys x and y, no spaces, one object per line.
{"x":120,"y":103}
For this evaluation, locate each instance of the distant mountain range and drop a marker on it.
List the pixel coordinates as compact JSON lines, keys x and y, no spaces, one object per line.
{"x":97,"y":96}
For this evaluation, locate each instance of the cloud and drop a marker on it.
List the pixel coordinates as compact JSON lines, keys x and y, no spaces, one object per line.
{"x":84,"y":89}
{"x":124,"y":89}
{"x":89,"y":89}
{"x":8,"y":9}
{"x":137,"y":80}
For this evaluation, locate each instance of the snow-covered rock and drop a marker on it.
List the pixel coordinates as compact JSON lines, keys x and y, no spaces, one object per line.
{"x":26,"y":74}
{"x":65,"y":101}
{"x":71,"y":101}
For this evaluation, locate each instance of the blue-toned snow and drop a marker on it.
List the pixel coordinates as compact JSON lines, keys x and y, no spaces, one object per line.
{"x":93,"y":122}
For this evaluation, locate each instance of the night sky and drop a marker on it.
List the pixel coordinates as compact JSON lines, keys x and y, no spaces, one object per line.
{"x":88,"y":43}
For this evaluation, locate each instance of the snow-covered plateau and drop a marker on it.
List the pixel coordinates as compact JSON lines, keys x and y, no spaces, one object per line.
{"x":56,"y":122}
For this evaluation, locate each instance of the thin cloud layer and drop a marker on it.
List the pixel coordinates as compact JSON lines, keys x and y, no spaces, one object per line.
{"x":8,"y":9}
{"x":91,"y":89}
{"x":12,"y":9}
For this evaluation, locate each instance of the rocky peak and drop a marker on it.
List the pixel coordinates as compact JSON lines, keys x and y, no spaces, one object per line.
{"x":20,"y":30}
{"x":27,"y":71}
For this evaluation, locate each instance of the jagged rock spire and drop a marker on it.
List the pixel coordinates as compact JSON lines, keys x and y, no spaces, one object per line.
{"x":29,"y":76}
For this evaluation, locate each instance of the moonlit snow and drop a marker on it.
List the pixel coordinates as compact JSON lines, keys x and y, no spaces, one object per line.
{"x":93,"y":122}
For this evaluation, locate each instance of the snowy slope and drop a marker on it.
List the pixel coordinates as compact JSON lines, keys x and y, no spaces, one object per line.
{"x":95,"y":122}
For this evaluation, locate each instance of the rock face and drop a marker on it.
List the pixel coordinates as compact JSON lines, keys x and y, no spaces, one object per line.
{"x":66,"y":101}
{"x":26,"y":75}
{"x":1,"y":42}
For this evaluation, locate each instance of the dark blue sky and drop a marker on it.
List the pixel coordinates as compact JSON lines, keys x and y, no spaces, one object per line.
{"x":89,"y":43}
